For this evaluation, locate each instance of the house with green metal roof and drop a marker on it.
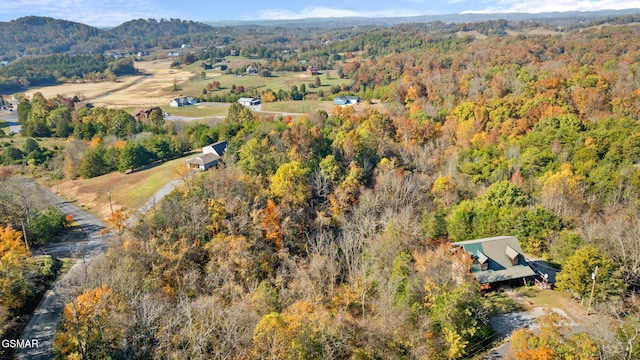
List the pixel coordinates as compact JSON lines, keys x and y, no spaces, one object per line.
{"x":497,"y":260}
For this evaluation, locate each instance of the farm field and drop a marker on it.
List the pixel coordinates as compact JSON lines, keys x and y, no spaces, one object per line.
{"x":153,"y":89}
{"x":279,"y":80}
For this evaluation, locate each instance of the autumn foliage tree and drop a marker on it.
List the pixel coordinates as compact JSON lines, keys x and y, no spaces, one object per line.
{"x":271,"y":225}
{"x":13,"y":284}
{"x":290,"y":184}
{"x":88,"y":332}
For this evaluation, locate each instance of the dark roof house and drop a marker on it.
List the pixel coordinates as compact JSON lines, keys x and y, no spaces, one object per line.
{"x":211,"y":155}
{"x":496,"y":260}
{"x":143,"y":114}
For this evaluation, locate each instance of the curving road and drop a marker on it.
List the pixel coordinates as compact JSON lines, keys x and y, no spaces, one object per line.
{"x":43,"y":323}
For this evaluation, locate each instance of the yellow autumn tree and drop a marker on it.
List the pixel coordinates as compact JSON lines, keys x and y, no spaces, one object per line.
{"x":218,"y":215}
{"x":290,"y":184}
{"x":561,"y":191}
{"x":13,"y":257}
{"x":87,"y":332}
{"x":268,"y":97}
{"x":552,"y":341}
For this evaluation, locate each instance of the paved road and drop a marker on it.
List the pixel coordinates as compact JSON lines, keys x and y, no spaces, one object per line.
{"x":11,"y":117}
{"x":43,"y":322}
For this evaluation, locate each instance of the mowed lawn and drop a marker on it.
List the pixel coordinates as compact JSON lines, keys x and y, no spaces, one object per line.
{"x":198,"y":111}
{"x":281,"y":80}
{"x":128,"y":191}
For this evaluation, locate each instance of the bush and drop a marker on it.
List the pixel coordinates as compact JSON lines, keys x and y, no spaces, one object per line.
{"x":46,"y":225}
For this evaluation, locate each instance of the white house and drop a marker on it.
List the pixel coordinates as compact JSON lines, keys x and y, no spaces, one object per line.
{"x":251,"y":70}
{"x":182,"y":101}
{"x":249,"y":101}
{"x":346,"y":100}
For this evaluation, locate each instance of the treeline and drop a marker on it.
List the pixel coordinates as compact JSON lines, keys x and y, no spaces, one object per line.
{"x":99,"y":140}
{"x":52,"y":69}
{"x":99,"y":158}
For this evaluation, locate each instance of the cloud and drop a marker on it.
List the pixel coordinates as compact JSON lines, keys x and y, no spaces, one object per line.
{"x":325,"y":12}
{"x":525,"y":6}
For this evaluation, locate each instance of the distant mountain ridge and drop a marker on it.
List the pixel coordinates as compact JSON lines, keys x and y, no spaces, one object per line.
{"x":447,"y":18}
{"x":39,"y":36}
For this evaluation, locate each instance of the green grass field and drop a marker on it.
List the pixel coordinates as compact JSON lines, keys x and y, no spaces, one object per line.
{"x":297,"y":107}
{"x":4,"y":127}
{"x":129,"y":191}
{"x":197,"y":111}
{"x":282,"y":80}
{"x":135,"y":189}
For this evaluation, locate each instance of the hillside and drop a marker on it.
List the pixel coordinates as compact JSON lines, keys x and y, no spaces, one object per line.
{"x":34,"y":35}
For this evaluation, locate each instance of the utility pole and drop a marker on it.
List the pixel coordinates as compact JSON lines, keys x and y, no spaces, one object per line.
{"x":24,"y":233}
{"x":593,"y":288}
{"x":109,"y":197}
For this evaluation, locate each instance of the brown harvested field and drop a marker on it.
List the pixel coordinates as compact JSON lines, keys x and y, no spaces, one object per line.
{"x":155,"y":88}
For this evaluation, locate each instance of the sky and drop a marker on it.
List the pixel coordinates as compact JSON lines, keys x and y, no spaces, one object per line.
{"x":108,"y":13}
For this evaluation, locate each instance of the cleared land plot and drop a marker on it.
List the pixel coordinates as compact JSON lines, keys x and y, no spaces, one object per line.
{"x":129,"y":191}
{"x":198,"y":111}
{"x":156,"y":87}
{"x":282,"y":80}
{"x":86,"y":90}
{"x":153,"y":89}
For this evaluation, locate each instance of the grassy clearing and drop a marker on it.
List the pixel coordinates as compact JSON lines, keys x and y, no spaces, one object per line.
{"x":18,"y":142}
{"x":281,"y":80}
{"x":534,"y":297}
{"x":499,"y":303}
{"x":129,"y":191}
{"x":133,"y":190}
{"x":197,"y":111}
{"x":299,"y":107}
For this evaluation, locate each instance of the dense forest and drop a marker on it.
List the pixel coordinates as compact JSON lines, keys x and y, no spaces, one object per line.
{"x":54,"y":69}
{"x":329,"y":236}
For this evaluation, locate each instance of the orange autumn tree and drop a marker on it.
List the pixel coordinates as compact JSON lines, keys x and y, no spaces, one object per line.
{"x":271,"y":225}
{"x":552,"y":341}
{"x":87,"y":332}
